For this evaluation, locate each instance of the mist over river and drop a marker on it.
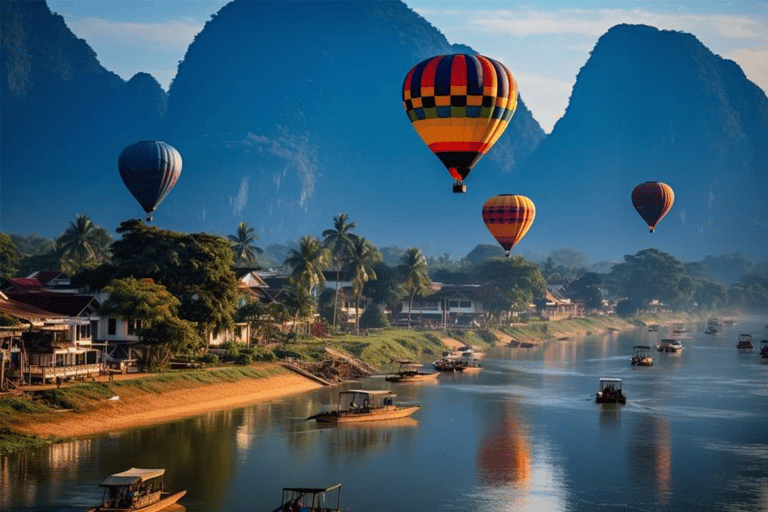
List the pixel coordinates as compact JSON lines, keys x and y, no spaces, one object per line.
{"x":523,"y":434}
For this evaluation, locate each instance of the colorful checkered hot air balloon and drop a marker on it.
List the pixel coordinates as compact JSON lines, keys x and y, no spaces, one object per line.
{"x":508,"y":217}
{"x":460,"y":105}
{"x":652,"y":200}
{"x":149,"y":170}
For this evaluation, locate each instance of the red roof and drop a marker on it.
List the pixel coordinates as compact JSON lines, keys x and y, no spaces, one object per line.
{"x":46,"y":276}
{"x":24,"y":311}
{"x":59,"y":303}
{"x":25,"y":283}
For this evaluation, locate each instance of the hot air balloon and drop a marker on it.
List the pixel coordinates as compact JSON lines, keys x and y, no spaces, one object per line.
{"x":508,"y":217}
{"x":149,"y":170}
{"x":459,"y":105}
{"x":652,"y":200}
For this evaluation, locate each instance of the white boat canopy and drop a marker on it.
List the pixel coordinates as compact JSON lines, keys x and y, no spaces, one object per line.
{"x":132,"y":476}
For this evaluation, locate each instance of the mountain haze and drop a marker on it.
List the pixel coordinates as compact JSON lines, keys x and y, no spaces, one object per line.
{"x":652,"y":105}
{"x":299,"y":103}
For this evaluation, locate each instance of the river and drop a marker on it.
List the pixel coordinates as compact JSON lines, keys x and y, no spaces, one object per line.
{"x":524,"y":434}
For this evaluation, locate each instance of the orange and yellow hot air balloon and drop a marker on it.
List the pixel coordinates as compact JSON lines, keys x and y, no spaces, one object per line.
{"x":459,"y":104}
{"x":652,"y":200}
{"x":508,"y":217}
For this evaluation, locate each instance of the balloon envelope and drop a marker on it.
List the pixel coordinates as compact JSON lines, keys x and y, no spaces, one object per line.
{"x":653,"y":200}
{"x":508,"y":217}
{"x":459,"y":104}
{"x":149,"y":170}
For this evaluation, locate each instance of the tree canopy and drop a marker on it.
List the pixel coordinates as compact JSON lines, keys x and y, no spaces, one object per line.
{"x":9,"y":257}
{"x":652,"y":275}
{"x":510,"y":283}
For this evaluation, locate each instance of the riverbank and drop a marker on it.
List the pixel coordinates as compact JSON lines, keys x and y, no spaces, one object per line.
{"x":46,"y":414}
{"x":83,"y":409}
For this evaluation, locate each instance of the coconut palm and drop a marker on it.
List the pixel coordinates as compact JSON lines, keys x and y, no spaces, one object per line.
{"x":78,"y":240}
{"x":243,"y":247}
{"x":414,"y":275}
{"x":364,"y":255}
{"x":340,"y":242}
{"x":307,"y":263}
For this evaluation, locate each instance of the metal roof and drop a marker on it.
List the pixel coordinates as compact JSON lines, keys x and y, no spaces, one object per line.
{"x":369,"y":391}
{"x":132,"y":476}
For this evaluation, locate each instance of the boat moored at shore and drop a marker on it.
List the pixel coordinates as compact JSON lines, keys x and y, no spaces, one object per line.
{"x":410,"y":371}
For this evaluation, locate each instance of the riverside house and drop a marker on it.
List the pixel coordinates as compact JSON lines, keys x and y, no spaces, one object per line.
{"x":450,"y":305}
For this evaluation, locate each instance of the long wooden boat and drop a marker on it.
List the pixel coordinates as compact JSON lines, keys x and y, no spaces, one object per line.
{"x":136,"y":490}
{"x":671,"y":345}
{"x":311,"y":499}
{"x":357,"y":405}
{"x":410,"y":371}
{"x":641,"y":357}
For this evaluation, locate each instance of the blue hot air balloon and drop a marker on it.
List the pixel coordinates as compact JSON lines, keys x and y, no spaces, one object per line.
{"x":149,"y":170}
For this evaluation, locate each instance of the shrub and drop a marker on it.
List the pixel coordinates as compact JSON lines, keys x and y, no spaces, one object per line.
{"x":373,"y":318}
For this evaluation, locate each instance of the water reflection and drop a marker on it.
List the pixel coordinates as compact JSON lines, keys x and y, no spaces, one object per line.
{"x":650,"y":454}
{"x":504,"y":455}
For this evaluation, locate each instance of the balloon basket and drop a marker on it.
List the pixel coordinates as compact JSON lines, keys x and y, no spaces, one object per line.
{"x":459,"y":188}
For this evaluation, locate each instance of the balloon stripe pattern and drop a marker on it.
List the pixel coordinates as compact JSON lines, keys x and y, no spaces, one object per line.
{"x":653,"y":200}
{"x":459,"y":105}
{"x":149,"y":169}
{"x":508,"y":217}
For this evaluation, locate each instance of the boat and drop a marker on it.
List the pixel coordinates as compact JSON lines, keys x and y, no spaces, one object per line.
{"x":357,"y":405}
{"x":745,"y":342}
{"x":136,"y":489}
{"x":710,"y":330}
{"x":610,"y":392}
{"x":764,"y":349}
{"x":672,"y":345}
{"x":653,"y":328}
{"x":729,"y":321}
{"x":447,"y":364}
{"x":410,"y":371}
{"x":310,"y":499}
{"x":641,"y":357}
{"x":679,"y":329}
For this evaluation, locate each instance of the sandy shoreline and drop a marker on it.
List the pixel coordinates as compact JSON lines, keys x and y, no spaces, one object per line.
{"x":136,"y":408}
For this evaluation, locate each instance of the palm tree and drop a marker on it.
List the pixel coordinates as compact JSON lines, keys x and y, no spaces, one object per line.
{"x":243,"y":247}
{"x":307,"y":263}
{"x":78,"y":240}
{"x":364,"y":255}
{"x":340,"y":241}
{"x":413,"y":272}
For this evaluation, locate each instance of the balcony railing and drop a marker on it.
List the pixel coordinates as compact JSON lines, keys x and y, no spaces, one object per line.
{"x":46,"y":373}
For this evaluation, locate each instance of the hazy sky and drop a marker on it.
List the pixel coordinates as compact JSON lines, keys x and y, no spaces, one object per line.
{"x":543,"y":43}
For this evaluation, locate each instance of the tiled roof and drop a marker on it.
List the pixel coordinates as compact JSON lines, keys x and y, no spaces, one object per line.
{"x":25,"y":283}
{"x":59,"y":303}
{"x":46,"y":276}
{"x":24,"y":311}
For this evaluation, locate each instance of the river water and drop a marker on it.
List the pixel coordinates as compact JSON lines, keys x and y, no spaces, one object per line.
{"x":524,"y":434}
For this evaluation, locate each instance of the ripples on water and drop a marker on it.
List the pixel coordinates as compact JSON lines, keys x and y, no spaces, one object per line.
{"x":524,"y":434}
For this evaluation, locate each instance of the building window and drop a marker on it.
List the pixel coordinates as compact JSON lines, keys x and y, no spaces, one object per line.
{"x":112,"y":327}
{"x":466,"y":304}
{"x":453,"y":303}
{"x":133,"y":326}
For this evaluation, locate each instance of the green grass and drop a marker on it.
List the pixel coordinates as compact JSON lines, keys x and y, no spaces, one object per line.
{"x":11,"y":442}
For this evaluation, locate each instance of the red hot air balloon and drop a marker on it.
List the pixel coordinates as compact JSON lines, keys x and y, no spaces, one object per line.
{"x":149,"y":170}
{"x":653,"y":200}
{"x":508,"y":217}
{"x":459,"y":105}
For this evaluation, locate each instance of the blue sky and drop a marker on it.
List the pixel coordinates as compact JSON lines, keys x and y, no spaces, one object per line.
{"x":543,"y":43}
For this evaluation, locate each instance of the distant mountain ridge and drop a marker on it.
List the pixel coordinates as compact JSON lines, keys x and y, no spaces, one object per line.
{"x":64,"y":117}
{"x":287,"y":113}
{"x":653,"y":105}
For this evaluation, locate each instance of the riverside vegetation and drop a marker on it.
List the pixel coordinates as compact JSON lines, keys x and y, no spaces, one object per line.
{"x":380,"y":349}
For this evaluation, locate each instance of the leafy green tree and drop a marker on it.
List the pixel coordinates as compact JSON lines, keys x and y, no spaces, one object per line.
{"x":517,"y":283}
{"x":245,"y":250}
{"x":586,"y":289}
{"x":9,"y":258}
{"x":300,"y":303}
{"x":652,"y":274}
{"x":155,"y":311}
{"x":307,"y":263}
{"x":364,"y":254}
{"x":340,"y":242}
{"x":387,"y":288}
{"x":414,"y":275}
{"x":196,"y":268}
{"x":710,"y":295}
